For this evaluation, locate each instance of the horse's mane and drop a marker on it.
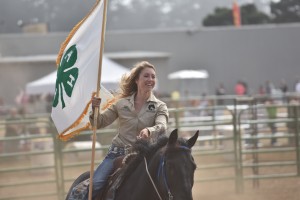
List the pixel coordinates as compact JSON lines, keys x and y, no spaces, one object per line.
{"x":146,"y":149}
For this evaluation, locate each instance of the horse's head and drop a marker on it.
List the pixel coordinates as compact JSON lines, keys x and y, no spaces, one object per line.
{"x":166,"y":173}
{"x":176,"y":168}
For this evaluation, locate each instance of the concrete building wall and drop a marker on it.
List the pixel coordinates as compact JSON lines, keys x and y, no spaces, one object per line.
{"x":254,"y":54}
{"x":15,"y":75}
{"x":30,"y":44}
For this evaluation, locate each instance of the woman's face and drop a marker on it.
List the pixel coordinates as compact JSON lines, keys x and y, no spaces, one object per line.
{"x":146,"y":80}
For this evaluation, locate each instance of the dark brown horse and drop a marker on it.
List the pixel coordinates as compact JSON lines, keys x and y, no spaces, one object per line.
{"x":163,"y":171}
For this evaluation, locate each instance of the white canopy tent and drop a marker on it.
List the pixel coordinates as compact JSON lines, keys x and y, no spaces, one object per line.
{"x":191,"y":82}
{"x":189,"y":74}
{"x":110,"y":77}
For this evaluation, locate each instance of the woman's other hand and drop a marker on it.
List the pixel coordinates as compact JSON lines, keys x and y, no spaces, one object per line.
{"x":144,"y":134}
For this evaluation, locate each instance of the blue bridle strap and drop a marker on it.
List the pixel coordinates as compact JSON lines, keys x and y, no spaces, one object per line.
{"x":162,"y":171}
{"x":184,"y":147}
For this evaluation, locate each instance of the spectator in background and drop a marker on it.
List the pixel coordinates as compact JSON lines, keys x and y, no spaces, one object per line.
{"x":13,"y":129}
{"x":284,"y":89}
{"x":244,"y":83}
{"x":283,"y":86}
{"x":220,"y":91}
{"x":272,"y":114}
{"x":194,"y":112}
{"x":269,"y":87}
{"x":261,"y":90}
{"x":261,"y":93}
{"x":204,"y":103}
{"x":297,"y":86}
{"x":239,"y":88}
{"x":49,"y":99}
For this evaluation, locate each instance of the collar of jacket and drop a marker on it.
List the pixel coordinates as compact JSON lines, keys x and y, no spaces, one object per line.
{"x":152,"y":98}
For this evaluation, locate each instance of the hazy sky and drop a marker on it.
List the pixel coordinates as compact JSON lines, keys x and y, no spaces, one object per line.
{"x":62,"y":15}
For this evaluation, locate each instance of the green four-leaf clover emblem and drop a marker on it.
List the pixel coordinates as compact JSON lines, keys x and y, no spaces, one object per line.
{"x":67,"y":76}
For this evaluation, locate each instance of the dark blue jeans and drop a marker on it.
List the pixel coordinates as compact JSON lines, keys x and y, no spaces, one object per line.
{"x":105,"y":168}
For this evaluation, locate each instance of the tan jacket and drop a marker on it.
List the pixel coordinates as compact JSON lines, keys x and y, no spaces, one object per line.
{"x":154,"y":116}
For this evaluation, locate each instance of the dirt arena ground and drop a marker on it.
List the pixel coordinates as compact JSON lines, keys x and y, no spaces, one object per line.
{"x":283,"y":189}
{"x":271,"y":188}
{"x":275,"y":189}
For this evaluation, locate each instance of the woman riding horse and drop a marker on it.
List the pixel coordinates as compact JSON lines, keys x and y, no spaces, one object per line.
{"x":141,"y":115}
{"x":161,"y":171}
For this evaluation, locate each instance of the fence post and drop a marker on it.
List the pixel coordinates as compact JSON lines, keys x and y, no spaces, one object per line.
{"x":254,"y":132}
{"x":236,"y":149}
{"x":58,"y":164}
{"x":296,"y":122}
{"x":213,"y":111}
{"x":175,"y":96}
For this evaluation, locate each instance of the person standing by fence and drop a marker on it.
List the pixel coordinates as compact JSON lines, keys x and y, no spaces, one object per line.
{"x":220,"y":91}
{"x":272,"y":114}
{"x":13,"y":129}
{"x":239,"y":88}
{"x":292,"y":113}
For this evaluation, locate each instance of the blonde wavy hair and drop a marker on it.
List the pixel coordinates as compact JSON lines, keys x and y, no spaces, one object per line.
{"x":128,"y":85}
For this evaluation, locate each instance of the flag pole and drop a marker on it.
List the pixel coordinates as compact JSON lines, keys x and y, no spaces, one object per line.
{"x":98,"y":95}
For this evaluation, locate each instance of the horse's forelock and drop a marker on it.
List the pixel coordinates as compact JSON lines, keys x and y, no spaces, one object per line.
{"x":182,"y":142}
{"x":145,"y":148}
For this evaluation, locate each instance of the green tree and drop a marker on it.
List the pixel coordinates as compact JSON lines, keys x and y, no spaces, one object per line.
{"x":138,"y":14}
{"x":285,"y":11}
{"x":221,"y":17}
{"x":249,"y":15}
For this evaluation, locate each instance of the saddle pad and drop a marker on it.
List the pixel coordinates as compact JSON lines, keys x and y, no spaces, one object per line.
{"x":80,"y":191}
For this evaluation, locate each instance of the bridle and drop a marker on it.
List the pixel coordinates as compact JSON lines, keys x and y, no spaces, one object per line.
{"x":162,"y":171}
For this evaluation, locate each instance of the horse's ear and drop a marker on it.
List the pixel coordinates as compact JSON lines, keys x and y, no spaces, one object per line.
{"x":193,"y":140}
{"x":173,"y":137}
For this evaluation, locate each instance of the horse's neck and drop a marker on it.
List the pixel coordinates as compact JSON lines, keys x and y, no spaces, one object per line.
{"x":146,"y":169}
{"x":138,"y":184}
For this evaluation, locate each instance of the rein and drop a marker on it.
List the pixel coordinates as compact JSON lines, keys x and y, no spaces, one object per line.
{"x":152,"y":179}
{"x":162,"y":171}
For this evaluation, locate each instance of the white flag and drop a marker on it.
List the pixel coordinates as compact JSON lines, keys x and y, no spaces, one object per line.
{"x":77,"y":75}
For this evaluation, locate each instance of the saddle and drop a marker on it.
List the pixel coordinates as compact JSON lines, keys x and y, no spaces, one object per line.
{"x":116,"y":178}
